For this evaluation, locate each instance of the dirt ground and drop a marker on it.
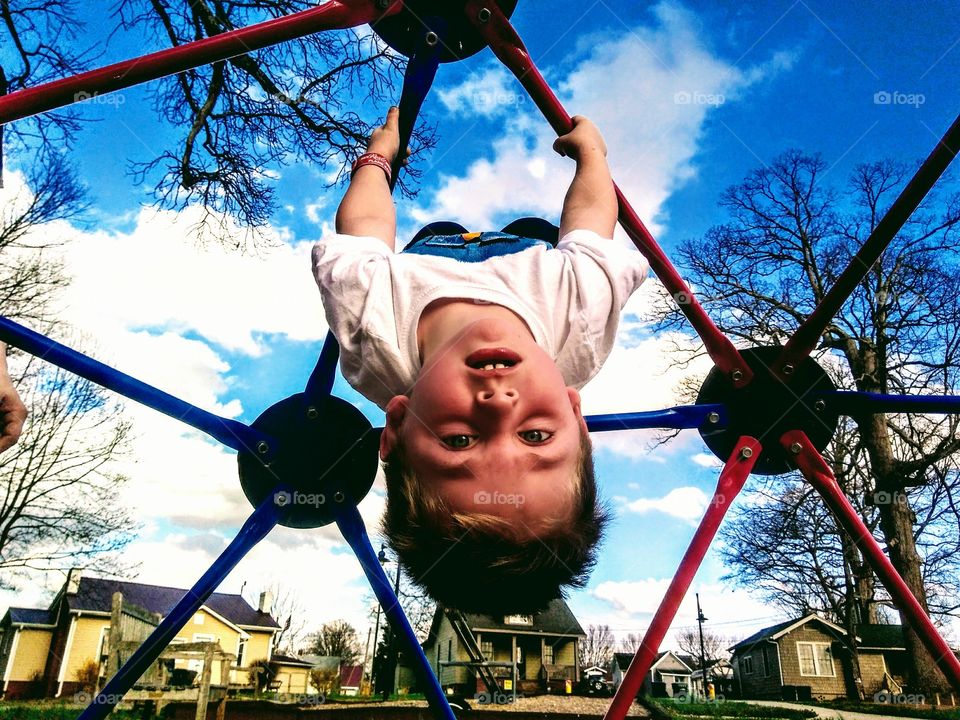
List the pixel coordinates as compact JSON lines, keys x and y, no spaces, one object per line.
{"x":570,"y":704}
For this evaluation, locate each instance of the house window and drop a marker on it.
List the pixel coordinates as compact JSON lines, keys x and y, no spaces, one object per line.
{"x":241,"y":651}
{"x":746,"y":664}
{"x":518,"y":620}
{"x":486,"y":649}
{"x":816,"y":659}
{"x":548,"y":654}
{"x":198,"y":619}
{"x":766,"y":662}
{"x":450,"y":649}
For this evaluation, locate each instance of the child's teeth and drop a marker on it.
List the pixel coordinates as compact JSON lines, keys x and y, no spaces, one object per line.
{"x":488,"y":366}
{"x":499,"y":366}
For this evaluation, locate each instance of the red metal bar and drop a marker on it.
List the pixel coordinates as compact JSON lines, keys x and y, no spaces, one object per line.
{"x":816,"y":470}
{"x":731,"y":482}
{"x":496,"y":29}
{"x":333,"y":15}
{"x":805,"y":339}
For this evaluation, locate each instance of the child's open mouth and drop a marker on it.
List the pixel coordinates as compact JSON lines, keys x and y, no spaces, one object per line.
{"x":492,"y":359}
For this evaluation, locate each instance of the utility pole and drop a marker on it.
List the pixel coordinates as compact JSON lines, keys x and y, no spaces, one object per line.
{"x":703,"y":654}
{"x":389,"y":686}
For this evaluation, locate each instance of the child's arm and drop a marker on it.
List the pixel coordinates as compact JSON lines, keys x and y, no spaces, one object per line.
{"x":12,"y":410}
{"x":591,"y":203}
{"x":367,"y":207}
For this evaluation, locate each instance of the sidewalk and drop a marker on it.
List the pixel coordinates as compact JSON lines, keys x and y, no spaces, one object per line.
{"x":825,"y":712}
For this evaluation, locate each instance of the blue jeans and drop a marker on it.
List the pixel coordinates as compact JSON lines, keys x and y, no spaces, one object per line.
{"x":453,"y":241}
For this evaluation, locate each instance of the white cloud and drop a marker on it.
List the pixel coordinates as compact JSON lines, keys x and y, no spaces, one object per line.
{"x":491,"y":91}
{"x":685,"y":503}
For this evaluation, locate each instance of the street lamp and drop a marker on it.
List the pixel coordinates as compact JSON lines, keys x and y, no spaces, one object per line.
{"x":391,"y":654}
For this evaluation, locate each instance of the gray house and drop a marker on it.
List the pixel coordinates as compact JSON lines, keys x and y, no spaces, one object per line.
{"x":670,"y":674}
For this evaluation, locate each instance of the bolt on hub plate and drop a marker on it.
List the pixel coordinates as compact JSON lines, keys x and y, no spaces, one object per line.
{"x":767,"y":408}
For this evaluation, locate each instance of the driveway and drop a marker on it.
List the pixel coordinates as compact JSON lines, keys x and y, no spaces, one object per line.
{"x":825,"y":712}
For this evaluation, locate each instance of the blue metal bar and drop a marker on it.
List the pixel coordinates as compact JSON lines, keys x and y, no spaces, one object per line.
{"x":417,"y":81}
{"x":253,"y":531}
{"x":351,"y":525}
{"x":679,"y":418}
{"x":231,"y":433}
{"x":858,"y":403}
{"x":321,"y":379}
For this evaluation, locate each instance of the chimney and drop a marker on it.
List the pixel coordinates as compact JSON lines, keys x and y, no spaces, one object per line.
{"x":266,"y":601}
{"x":73,"y":580}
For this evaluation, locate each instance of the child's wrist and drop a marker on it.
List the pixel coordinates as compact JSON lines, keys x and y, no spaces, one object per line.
{"x":373,"y":159}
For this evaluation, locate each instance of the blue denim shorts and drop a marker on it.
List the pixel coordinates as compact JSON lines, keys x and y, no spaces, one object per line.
{"x":452,"y":240}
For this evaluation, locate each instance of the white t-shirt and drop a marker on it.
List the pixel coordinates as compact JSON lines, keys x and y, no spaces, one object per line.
{"x":570,"y":298}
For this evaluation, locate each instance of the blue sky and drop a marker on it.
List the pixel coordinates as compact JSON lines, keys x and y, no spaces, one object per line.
{"x":690,"y":95}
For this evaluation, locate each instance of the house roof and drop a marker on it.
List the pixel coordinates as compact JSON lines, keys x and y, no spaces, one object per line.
{"x":30,"y":616}
{"x":886,"y":637}
{"x":287,"y":660}
{"x":780,"y":629}
{"x":622,"y":660}
{"x":95,"y":595}
{"x":556,"y":619}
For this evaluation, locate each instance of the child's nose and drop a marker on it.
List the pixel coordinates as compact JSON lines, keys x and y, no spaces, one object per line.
{"x":504,"y":398}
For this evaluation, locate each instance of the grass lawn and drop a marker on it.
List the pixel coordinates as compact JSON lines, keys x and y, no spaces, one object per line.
{"x":50,"y":710}
{"x":908,"y":710}
{"x":681,"y":709}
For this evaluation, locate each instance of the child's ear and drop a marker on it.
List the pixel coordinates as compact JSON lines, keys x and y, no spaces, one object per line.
{"x":575,"y":404}
{"x":396,"y":411}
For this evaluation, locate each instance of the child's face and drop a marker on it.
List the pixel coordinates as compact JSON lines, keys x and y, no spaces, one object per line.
{"x":502,"y":441}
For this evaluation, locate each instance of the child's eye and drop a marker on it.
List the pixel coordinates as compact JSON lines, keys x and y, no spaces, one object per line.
{"x":457,"y":442}
{"x":536,"y":436}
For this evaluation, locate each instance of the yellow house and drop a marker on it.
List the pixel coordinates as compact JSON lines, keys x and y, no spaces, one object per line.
{"x":42,"y":651}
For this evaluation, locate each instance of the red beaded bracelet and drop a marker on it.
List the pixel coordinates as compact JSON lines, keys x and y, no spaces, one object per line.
{"x":373,"y":159}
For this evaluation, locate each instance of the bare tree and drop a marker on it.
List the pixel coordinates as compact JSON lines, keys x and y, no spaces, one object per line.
{"x":59,"y":488}
{"x":336,"y":639}
{"x":630,"y":642}
{"x":760,"y":274}
{"x":597,"y":647}
{"x":714,"y":646}
{"x":289,"y":612}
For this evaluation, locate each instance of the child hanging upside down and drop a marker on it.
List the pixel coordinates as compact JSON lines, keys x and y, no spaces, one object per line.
{"x":475,"y":345}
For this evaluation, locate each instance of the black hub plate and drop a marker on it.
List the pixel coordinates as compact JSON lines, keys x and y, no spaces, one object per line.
{"x":327,"y":455}
{"x":767,"y":408}
{"x":405,"y":31}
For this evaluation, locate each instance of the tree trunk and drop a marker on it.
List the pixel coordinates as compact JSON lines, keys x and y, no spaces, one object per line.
{"x":896,"y":524}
